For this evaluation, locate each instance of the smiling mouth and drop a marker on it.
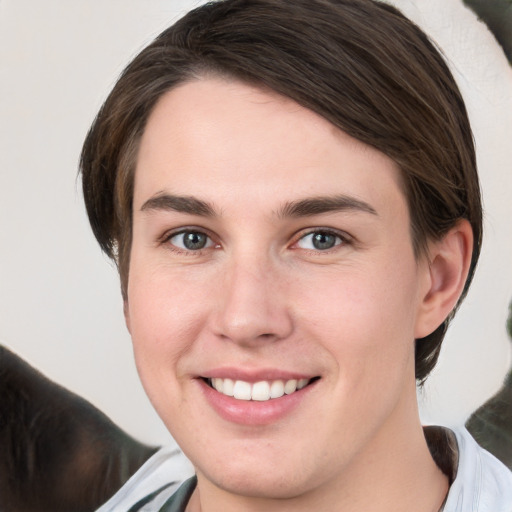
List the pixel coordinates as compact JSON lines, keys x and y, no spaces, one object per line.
{"x":261,"y":391}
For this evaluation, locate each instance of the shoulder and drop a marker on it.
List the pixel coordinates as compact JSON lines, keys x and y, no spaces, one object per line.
{"x":482,"y":482}
{"x":154,"y":482}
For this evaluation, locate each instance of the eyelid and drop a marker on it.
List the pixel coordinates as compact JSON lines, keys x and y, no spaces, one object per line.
{"x":345,"y":238}
{"x":168,"y":235}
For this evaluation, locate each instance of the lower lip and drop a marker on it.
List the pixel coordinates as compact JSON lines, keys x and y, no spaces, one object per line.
{"x":253,"y":412}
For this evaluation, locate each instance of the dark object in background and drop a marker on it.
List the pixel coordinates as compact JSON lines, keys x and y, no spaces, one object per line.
{"x":491,"y":424}
{"x":58,"y":453}
{"x":497,"y":15}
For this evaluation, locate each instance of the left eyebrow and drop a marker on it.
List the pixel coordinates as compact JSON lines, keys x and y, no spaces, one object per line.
{"x":318,"y":205}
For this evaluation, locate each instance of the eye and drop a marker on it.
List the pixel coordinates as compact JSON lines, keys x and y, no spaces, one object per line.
{"x":191,"y":240}
{"x":320,"y":240}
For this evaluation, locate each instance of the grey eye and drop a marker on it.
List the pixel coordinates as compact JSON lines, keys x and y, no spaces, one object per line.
{"x":191,"y":240}
{"x":319,"y":241}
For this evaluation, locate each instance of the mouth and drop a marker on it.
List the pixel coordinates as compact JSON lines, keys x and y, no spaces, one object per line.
{"x":261,"y":391}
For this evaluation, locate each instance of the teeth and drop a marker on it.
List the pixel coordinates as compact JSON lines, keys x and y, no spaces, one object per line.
{"x":259,"y":391}
{"x":302,"y":383}
{"x":218,"y":384}
{"x":277,"y":389}
{"x":242,"y":390}
{"x":226,"y":386}
{"x":290,"y":386}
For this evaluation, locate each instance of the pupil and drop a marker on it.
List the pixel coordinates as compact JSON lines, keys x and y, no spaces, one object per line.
{"x":194,"y":241}
{"x":323,"y":241}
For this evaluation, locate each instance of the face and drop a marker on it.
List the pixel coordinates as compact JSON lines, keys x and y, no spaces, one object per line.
{"x":273,"y":294}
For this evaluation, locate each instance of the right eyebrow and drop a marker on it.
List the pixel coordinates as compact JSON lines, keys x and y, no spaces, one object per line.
{"x":183,"y":204}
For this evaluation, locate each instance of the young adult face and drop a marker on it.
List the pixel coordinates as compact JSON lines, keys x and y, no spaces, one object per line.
{"x":269,"y":247}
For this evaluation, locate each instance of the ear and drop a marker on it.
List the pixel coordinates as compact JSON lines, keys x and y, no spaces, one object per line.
{"x":126,"y":312}
{"x":448,"y":263}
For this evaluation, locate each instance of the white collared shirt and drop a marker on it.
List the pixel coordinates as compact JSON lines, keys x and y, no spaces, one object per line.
{"x":482,"y":484}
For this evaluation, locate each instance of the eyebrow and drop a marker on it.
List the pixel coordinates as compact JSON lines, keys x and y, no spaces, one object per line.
{"x":300,"y":208}
{"x":318,"y":205}
{"x":182,"y":204}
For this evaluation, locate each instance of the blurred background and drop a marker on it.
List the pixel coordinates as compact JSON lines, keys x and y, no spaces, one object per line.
{"x":60,"y":305}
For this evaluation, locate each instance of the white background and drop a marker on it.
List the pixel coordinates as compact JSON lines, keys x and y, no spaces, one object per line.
{"x":60,"y":306}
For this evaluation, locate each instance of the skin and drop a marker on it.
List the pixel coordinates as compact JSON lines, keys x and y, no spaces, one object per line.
{"x":260,"y":295}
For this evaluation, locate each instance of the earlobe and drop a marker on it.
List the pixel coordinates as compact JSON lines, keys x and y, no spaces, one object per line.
{"x":449,"y":262}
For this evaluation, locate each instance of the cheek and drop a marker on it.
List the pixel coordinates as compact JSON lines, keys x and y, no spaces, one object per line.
{"x":362,"y":300}
{"x":365,"y":319}
{"x":164,"y":317}
{"x":166,"y":313}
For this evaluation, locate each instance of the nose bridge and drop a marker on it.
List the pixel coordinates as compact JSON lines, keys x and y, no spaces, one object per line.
{"x":252,"y":305}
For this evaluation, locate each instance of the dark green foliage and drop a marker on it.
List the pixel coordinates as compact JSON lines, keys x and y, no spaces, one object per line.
{"x":491,"y":424}
{"x":497,"y":14}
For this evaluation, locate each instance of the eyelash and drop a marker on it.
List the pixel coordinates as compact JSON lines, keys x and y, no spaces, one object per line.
{"x":342,"y":240}
{"x":167,"y":237}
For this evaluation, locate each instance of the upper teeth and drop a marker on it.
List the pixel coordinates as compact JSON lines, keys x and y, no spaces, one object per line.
{"x":260,"y":391}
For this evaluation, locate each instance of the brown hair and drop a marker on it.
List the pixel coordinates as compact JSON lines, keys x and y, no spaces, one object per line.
{"x":358,"y":63}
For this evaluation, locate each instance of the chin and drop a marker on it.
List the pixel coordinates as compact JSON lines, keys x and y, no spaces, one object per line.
{"x":257,"y":479}
{"x":254,"y":484}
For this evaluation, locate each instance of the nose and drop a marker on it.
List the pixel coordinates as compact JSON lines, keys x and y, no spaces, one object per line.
{"x":252,"y":305}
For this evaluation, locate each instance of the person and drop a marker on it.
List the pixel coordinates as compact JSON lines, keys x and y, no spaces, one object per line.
{"x":289,"y":190}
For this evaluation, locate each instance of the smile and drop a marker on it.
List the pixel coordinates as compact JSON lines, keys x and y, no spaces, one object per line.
{"x":261,"y":391}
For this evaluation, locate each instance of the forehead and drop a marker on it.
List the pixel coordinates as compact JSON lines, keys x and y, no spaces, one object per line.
{"x":222,"y":139}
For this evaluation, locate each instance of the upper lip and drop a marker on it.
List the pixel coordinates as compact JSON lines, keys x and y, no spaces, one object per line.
{"x":255,"y":375}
